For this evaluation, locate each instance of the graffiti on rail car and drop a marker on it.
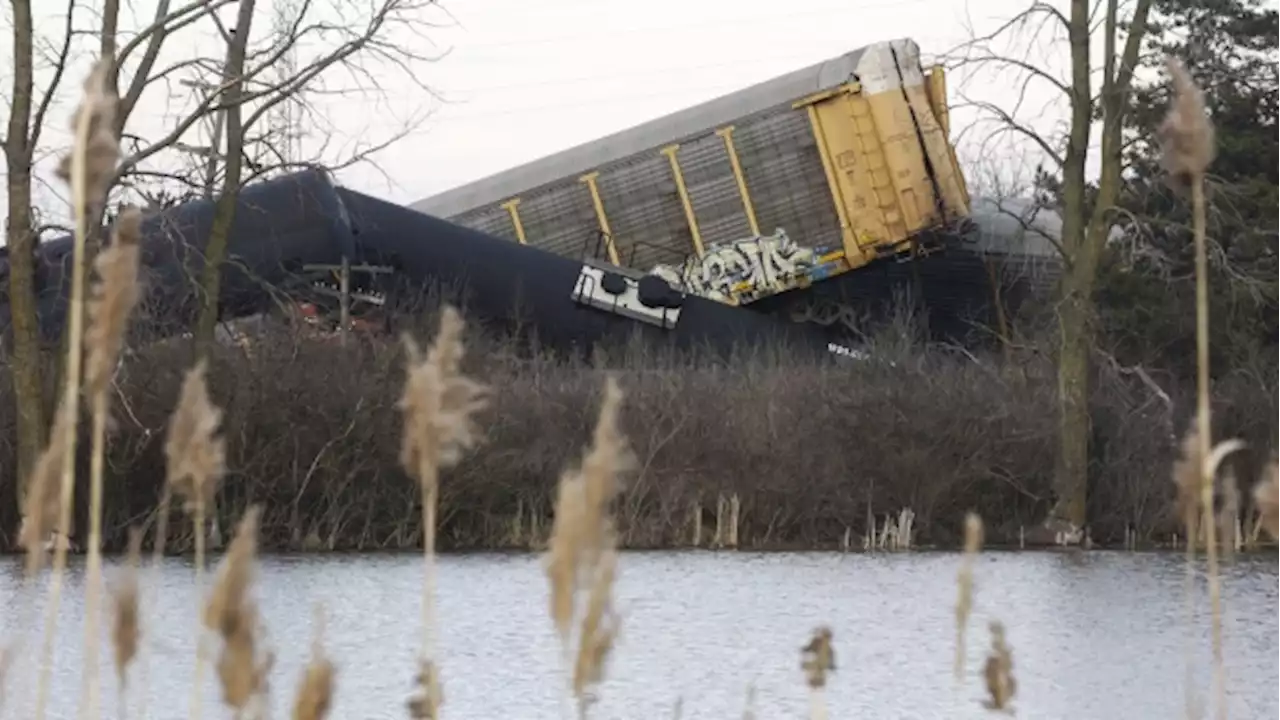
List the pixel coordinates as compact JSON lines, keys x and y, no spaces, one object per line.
{"x":749,"y":268}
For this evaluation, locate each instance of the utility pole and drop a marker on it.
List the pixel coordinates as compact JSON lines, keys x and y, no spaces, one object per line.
{"x":285,"y":119}
{"x":212,"y":153}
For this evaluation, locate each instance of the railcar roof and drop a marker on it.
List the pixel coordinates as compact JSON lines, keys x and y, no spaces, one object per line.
{"x":675,"y":127}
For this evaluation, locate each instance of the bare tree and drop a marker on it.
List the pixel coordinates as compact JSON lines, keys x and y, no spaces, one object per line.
{"x":250,"y":92}
{"x":225,"y":212}
{"x":28,"y":114}
{"x":1088,"y":210}
{"x":365,"y":42}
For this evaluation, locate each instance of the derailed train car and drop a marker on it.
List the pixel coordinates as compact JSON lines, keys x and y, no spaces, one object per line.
{"x":802,"y":178}
{"x":280,"y":225}
{"x":292,"y":232}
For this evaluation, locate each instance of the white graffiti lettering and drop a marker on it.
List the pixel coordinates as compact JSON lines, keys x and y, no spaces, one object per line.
{"x":754,"y":266}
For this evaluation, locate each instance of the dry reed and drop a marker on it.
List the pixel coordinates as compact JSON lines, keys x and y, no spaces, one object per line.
{"x":582,"y":550}
{"x":42,"y":504}
{"x":1186,"y":480}
{"x":315,"y":692}
{"x":438,"y":405}
{"x":88,"y":169}
{"x":964,"y":586}
{"x":233,"y":615}
{"x":817,"y":659}
{"x":195,"y":458}
{"x":126,"y":626}
{"x":1187,"y":149}
{"x":114,"y":297}
{"x":998,"y":672}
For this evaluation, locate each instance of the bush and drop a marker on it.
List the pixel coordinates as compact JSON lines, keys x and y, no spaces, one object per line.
{"x":809,"y":446}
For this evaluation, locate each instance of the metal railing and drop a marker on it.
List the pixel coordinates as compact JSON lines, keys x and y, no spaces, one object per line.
{"x":599,"y":240}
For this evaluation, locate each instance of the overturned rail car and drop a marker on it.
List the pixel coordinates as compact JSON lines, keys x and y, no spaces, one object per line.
{"x":798,"y":179}
{"x":279,"y":226}
{"x":291,"y":232}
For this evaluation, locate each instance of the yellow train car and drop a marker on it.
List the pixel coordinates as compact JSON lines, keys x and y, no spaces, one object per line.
{"x":803,"y":177}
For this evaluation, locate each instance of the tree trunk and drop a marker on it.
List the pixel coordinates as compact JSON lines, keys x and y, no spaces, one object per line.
{"x":1072,"y":471}
{"x":24,"y":361}
{"x":1071,"y":478}
{"x":225,"y":211}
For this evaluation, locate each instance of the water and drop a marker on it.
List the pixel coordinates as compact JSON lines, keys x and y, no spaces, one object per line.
{"x":1102,"y":635}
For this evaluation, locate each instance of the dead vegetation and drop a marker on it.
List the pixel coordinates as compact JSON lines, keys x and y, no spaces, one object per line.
{"x":313,"y":434}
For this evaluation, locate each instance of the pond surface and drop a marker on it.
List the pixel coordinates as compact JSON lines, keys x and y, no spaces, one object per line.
{"x":1095,"y":636}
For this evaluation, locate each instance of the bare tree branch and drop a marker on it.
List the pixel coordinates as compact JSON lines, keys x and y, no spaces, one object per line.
{"x":159,"y":30}
{"x":989,"y":57}
{"x":1010,"y":124}
{"x":37,"y":121}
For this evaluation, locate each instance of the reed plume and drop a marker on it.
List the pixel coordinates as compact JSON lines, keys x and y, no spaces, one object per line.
{"x":114,"y":297}
{"x":89,"y":169}
{"x":428,"y":695}
{"x":42,"y":503}
{"x":998,"y":672}
{"x":1186,"y":481}
{"x":125,"y":626}
{"x":818,"y":658}
{"x":1187,"y":149}
{"x":232,"y":613}
{"x":438,"y":405}
{"x":582,"y":550}
{"x":1186,"y":135}
{"x":315,"y":692}
{"x":195,"y":458}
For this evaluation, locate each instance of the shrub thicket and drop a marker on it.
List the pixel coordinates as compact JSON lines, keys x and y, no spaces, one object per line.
{"x":808,"y":446}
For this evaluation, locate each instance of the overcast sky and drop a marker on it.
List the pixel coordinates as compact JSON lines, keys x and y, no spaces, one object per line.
{"x":519,"y":80}
{"x":523,"y":79}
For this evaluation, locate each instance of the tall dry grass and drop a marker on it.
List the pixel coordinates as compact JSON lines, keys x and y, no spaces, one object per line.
{"x":439,"y":406}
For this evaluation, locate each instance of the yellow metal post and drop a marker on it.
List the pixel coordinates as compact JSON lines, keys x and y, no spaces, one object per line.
{"x":937,"y":90}
{"x":670,"y":151}
{"x":510,"y":207}
{"x":726,"y":133}
{"x":851,"y":248}
{"x":601,"y":218}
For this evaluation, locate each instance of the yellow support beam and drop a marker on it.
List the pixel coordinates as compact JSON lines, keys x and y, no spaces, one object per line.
{"x":936,"y":82}
{"x":590,"y":180}
{"x":510,"y":206}
{"x":849,"y":88}
{"x":670,"y":151}
{"x":726,"y":133}
{"x":851,"y":248}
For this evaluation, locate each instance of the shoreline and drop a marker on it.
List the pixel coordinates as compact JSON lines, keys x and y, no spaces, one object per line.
{"x":1260,"y":549}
